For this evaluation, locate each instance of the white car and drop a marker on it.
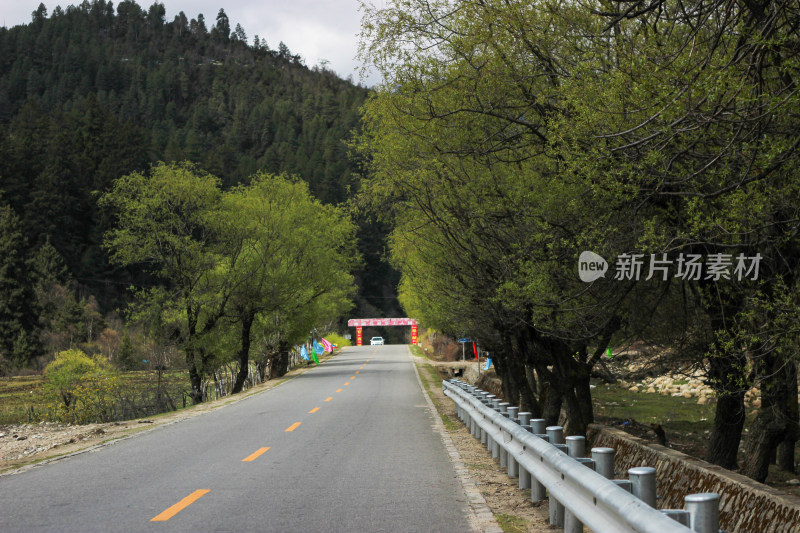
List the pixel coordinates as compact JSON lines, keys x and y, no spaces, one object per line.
{"x":376,"y":341}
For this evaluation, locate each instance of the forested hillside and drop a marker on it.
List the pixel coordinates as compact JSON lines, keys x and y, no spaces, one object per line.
{"x":93,"y":92}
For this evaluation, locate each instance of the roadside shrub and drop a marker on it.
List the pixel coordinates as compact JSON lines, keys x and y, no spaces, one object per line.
{"x":81,"y":387}
{"x":338,"y":340}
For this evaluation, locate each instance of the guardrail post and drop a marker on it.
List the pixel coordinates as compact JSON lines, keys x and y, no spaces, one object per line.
{"x":512,"y":414}
{"x":571,"y":522}
{"x":513,"y":469}
{"x":524,"y":475}
{"x":556,"y":512}
{"x":644,"y":483}
{"x":538,"y":491}
{"x":502,"y":451}
{"x":538,"y":426}
{"x":495,"y":445}
{"x":704,"y":512}
{"x":556,"y":434}
{"x":604,"y":461}
{"x":576,"y":446}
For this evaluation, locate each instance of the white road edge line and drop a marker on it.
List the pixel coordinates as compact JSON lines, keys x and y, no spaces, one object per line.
{"x":480,"y":515}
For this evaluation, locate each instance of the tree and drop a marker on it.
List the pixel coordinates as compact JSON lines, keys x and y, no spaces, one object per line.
{"x":17,"y":317}
{"x":288,"y":256}
{"x":164,"y":222}
{"x":239,"y":33}
{"x":504,"y":125}
{"x":221,"y":32}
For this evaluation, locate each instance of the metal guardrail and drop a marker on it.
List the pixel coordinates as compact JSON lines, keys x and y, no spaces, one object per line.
{"x":554,"y":468}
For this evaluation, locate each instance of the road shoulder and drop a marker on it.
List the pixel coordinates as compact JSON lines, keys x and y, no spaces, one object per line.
{"x":487,"y":487}
{"x":52,"y":442}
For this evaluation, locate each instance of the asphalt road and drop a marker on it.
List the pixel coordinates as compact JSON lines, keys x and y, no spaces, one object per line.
{"x":347,"y":446}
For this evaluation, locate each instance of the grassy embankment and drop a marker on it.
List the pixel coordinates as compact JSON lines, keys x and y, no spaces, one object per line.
{"x":24,"y":399}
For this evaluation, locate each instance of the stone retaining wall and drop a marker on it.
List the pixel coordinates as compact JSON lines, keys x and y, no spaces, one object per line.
{"x":745,"y":505}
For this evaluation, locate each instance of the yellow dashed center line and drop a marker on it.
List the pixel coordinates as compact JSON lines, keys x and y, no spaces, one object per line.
{"x":255,"y":455}
{"x":329,"y":398}
{"x":346,"y":384}
{"x":294,"y":426}
{"x":358,"y":371}
{"x":314,"y":410}
{"x":181,"y":505}
{"x":338,"y":390}
{"x":353,"y":377}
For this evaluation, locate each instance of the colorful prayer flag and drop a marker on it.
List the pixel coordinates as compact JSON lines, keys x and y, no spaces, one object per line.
{"x":318,"y":349}
{"x":304,"y":352}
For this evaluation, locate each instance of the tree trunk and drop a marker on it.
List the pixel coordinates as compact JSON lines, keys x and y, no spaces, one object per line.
{"x":770,"y":424}
{"x":280,"y":361}
{"x":517,"y":374}
{"x":727,"y":378}
{"x":575,"y":424}
{"x":243,"y":357}
{"x":529,"y":401}
{"x":786,"y":458}
{"x":765,"y":435}
{"x":723,"y":446}
{"x":502,"y":367}
{"x":553,"y":398}
{"x":195,"y":374}
{"x":583,"y":392}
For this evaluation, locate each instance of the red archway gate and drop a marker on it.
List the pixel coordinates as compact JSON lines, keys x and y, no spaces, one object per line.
{"x":359,"y":323}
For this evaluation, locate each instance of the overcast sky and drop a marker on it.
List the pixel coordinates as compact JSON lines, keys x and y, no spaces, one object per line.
{"x":315,"y":29}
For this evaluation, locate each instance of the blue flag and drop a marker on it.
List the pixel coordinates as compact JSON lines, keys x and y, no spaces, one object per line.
{"x":318,"y":348}
{"x":488,"y":363}
{"x":304,"y":352}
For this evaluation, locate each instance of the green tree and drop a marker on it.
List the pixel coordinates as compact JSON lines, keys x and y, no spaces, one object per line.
{"x":289,"y":261}
{"x":17,"y":316}
{"x":522,"y":134}
{"x":164,"y":221}
{"x":83,"y":385}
